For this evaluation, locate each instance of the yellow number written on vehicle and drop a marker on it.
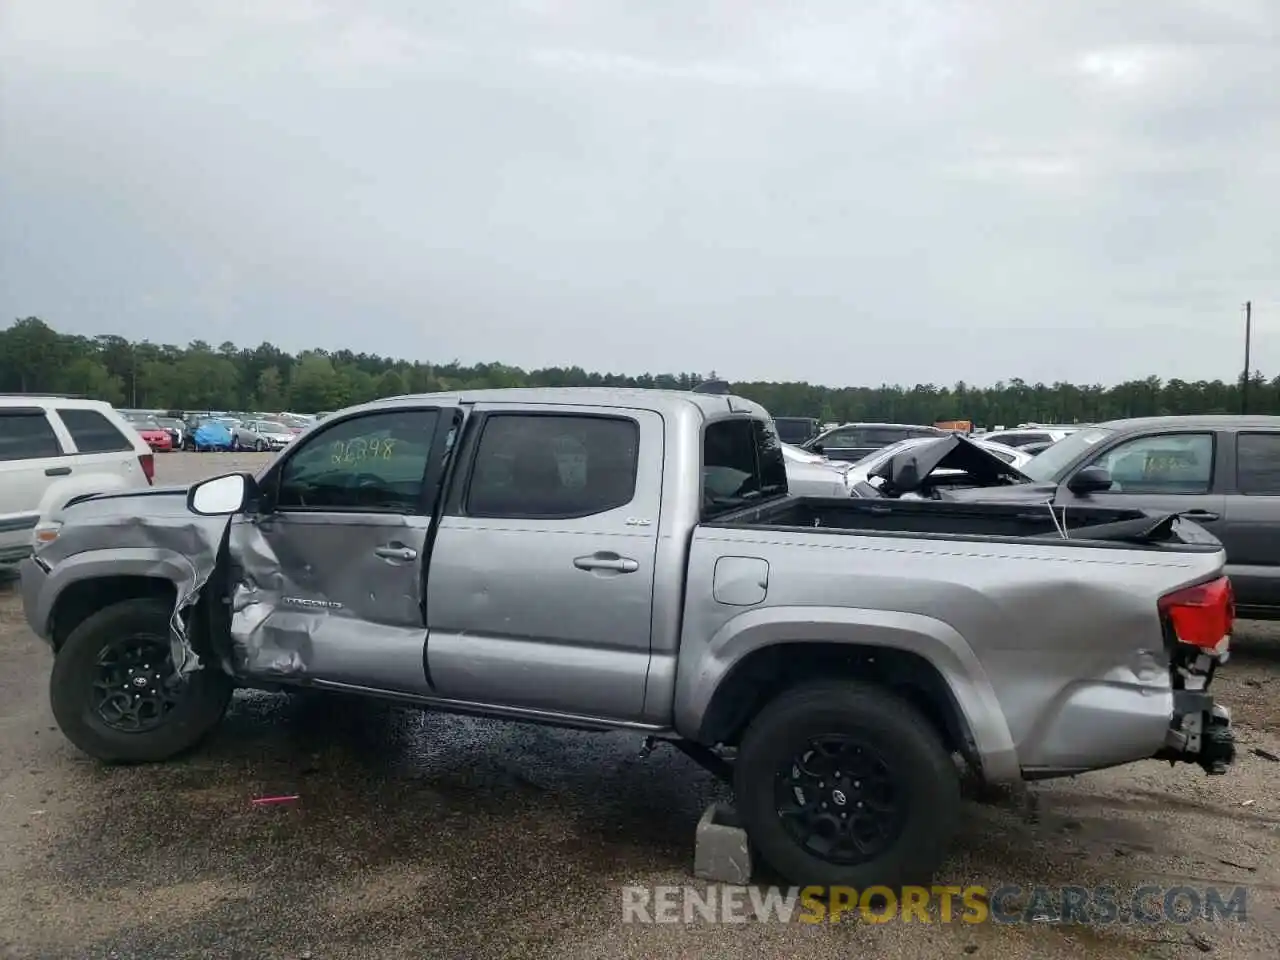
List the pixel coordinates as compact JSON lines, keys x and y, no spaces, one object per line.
{"x":362,"y":449}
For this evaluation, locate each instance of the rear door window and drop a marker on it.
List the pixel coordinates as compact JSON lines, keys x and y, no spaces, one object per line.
{"x":94,"y":433}
{"x":560,"y":466}
{"x":1258,"y":464}
{"x":27,"y":435}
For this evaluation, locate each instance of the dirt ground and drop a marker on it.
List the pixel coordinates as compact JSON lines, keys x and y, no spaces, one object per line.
{"x":420,"y":835}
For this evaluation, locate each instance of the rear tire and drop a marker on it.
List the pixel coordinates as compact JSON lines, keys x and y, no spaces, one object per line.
{"x":887,"y":819}
{"x":111,"y":708}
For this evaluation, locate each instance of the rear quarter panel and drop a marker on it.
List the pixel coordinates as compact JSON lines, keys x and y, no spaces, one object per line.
{"x":1046,"y":647}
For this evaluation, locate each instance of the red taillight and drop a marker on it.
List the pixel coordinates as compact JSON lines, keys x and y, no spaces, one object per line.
{"x":148,"y":462}
{"x":1202,"y":615}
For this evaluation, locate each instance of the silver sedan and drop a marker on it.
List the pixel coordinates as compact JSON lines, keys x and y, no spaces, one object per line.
{"x":260,"y":435}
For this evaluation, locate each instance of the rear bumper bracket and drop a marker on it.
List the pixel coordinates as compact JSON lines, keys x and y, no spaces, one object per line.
{"x":1199,"y":733}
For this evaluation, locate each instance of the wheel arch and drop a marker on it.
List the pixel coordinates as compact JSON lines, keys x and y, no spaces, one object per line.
{"x":83,"y":584}
{"x":759,"y":654}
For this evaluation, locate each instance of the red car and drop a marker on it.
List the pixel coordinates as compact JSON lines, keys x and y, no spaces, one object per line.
{"x":157,"y":437}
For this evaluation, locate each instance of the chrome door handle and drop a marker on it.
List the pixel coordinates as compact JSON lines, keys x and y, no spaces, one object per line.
{"x":606,"y":562}
{"x":1200,"y":515}
{"x":395,"y":552}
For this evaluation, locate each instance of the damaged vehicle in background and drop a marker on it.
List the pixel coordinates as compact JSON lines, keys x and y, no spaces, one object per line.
{"x":813,"y":475}
{"x":944,"y":463}
{"x":561,"y":556}
{"x":1221,"y":471}
{"x":261,"y":435}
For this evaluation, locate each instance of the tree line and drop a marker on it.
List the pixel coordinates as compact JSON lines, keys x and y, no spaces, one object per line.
{"x":35,"y":358}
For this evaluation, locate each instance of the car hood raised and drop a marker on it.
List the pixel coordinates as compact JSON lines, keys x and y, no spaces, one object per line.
{"x":906,"y":472}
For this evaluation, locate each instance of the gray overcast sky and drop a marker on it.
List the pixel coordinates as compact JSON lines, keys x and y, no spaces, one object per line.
{"x":843,"y":192}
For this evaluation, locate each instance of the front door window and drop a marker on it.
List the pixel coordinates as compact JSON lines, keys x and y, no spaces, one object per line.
{"x":1180,"y":463}
{"x":372,"y":463}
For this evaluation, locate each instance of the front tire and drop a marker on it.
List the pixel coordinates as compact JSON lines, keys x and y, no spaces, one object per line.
{"x":845,"y":784}
{"x":114,"y":692}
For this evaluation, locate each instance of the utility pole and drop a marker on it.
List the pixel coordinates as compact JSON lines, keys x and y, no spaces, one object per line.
{"x":1248,"y":332}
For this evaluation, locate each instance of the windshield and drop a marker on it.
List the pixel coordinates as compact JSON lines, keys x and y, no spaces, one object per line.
{"x":1047,"y":467}
{"x":142,"y":422}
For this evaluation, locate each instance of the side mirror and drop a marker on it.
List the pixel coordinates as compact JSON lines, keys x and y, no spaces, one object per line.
{"x":1090,"y":480}
{"x":220,"y":496}
{"x":815,"y":447}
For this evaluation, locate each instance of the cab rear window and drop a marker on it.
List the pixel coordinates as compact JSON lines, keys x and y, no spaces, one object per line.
{"x":742,"y":462}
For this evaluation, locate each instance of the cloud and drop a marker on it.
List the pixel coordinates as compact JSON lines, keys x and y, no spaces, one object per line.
{"x":624,"y":66}
{"x":847,"y":193}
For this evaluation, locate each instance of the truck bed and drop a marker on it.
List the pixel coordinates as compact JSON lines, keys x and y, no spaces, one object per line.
{"x":987,"y":521}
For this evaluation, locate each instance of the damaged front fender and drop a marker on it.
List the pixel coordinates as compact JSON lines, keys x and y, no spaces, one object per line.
{"x":151,"y":535}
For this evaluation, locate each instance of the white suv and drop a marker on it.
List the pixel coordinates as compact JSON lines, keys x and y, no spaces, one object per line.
{"x":53,"y":449}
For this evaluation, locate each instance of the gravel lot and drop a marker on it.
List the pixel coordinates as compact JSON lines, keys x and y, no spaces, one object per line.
{"x":431,"y":836}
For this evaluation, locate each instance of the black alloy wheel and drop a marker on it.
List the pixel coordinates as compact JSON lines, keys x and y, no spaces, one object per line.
{"x":116,"y":694}
{"x":844,"y":782}
{"x":839,"y":800}
{"x":136,"y":687}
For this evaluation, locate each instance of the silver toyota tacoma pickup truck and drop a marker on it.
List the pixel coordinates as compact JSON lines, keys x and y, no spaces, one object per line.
{"x":579,"y":557}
